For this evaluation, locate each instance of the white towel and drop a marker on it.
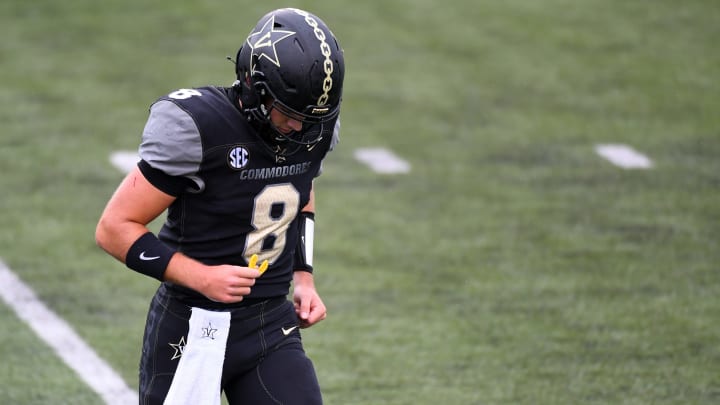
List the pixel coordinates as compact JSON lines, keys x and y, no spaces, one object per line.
{"x":198,"y":375}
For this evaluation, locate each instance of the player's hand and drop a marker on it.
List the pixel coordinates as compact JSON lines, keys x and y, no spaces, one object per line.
{"x":309,"y":307}
{"x":227,"y":284}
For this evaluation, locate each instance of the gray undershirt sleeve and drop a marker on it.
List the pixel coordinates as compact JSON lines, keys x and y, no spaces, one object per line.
{"x":171,"y":141}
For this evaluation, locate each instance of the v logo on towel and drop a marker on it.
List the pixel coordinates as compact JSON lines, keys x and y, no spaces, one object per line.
{"x":209,"y":332}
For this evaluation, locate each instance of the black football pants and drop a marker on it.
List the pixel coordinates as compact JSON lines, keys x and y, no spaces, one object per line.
{"x":264,"y":359}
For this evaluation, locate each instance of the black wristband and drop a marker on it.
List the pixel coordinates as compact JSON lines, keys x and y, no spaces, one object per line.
{"x":304,"y":248}
{"x":149,"y":256}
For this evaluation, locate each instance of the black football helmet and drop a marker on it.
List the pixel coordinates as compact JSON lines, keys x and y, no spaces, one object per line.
{"x":291,"y":62}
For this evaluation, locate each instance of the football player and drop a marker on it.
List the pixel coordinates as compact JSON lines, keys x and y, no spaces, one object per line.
{"x":234,"y":168}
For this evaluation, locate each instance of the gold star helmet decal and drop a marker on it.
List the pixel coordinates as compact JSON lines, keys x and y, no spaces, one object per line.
{"x":263,"y":42}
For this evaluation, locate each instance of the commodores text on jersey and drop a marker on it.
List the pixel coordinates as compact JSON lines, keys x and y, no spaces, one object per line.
{"x":275,"y":172}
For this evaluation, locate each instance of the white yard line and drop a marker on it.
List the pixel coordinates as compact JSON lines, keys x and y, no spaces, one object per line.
{"x":64,"y":341}
{"x":382,"y":160}
{"x":124,"y":160}
{"x":623,"y":156}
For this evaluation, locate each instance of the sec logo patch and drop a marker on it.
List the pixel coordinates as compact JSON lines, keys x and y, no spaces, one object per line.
{"x":238,"y":157}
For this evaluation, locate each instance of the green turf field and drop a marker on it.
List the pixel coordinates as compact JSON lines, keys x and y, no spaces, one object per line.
{"x":512,"y":265}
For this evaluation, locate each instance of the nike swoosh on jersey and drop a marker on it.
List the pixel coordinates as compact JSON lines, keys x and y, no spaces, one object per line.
{"x":288,"y":330}
{"x":146,"y":258}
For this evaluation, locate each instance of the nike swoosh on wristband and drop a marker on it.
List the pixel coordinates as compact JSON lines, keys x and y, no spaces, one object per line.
{"x":143,"y":257}
{"x":288,"y":330}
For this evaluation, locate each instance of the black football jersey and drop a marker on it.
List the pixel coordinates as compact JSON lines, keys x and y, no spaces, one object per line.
{"x":233,"y":198}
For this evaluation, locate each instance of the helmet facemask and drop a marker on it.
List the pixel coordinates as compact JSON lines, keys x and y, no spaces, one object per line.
{"x":283,"y":144}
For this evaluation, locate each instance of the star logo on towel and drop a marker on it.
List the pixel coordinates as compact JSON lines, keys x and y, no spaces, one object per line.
{"x":209,"y":332}
{"x":178,"y":347}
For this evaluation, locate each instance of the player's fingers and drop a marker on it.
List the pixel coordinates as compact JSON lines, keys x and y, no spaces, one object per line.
{"x":317,"y":314}
{"x":313,"y":318}
{"x":303,"y":310}
{"x":245,"y":272}
{"x":240,"y":282}
{"x":229,"y":296}
{"x":239,"y":291}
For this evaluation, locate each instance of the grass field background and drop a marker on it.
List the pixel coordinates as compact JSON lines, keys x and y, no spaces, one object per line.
{"x":512,"y":265}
